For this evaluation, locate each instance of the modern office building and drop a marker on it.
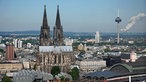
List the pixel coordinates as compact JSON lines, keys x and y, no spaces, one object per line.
{"x":1,"y":38}
{"x":9,"y":51}
{"x":97,"y":37}
{"x":17,"y":43}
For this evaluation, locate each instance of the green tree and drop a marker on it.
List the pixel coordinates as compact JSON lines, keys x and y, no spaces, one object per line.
{"x":55,"y":70}
{"x":62,"y":78}
{"x":6,"y":79}
{"x":2,"y":51}
{"x":74,"y":73}
{"x":106,"y":50}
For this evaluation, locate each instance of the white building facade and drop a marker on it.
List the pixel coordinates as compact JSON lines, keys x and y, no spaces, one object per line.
{"x":29,"y":45}
{"x":17,"y":43}
{"x":68,"y":41}
{"x":97,"y":37}
{"x":92,"y":65}
{"x":1,"y":38}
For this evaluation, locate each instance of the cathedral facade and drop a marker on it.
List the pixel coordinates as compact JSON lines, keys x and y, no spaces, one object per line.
{"x":53,"y":52}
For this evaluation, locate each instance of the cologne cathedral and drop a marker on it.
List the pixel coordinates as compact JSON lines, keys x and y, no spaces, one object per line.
{"x":53,"y":52}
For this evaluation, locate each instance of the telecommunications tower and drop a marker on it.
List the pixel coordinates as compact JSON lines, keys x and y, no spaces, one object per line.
{"x":118,"y":20}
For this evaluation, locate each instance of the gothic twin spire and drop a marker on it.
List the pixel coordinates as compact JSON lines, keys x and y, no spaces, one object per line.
{"x":45,"y":22}
{"x":45,"y":31}
{"x":58,"y":22}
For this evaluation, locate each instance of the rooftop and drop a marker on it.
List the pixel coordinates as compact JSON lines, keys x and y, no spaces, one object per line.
{"x":55,"y":48}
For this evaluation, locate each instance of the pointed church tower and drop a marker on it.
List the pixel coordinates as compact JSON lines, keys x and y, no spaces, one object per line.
{"x":45,"y":31}
{"x":58,"y":31}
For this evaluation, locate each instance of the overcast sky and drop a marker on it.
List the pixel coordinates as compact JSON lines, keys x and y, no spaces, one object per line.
{"x":76,"y":15}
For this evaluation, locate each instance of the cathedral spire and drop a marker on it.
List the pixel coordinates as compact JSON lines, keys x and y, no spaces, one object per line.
{"x":45,"y":22}
{"x":58,"y":22}
{"x":58,"y":30}
{"x":45,"y":31}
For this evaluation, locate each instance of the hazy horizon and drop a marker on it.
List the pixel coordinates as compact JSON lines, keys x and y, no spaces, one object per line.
{"x":68,"y":31}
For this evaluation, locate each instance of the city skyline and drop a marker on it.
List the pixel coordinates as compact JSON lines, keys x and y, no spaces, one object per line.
{"x":76,"y":15}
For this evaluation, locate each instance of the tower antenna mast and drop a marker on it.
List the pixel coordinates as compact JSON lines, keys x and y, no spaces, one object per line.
{"x":118,"y":20}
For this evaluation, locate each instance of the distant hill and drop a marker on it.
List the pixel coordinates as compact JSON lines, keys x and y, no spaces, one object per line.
{"x":74,"y":34}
